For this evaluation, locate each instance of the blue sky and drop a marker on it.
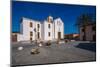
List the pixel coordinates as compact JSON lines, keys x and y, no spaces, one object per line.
{"x":40,"y":11}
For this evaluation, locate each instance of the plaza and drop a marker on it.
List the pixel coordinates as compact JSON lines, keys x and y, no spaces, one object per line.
{"x":76,"y":51}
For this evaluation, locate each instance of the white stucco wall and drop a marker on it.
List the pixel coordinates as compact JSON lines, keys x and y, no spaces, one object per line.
{"x":46,"y":30}
{"x":20,"y":37}
{"x":25,"y":36}
{"x":43,"y":29}
{"x":59,"y":27}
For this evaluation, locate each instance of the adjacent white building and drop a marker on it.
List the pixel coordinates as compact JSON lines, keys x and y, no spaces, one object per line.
{"x":49,"y":29}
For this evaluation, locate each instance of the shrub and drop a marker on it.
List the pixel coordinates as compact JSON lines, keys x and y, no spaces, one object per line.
{"x":35,"y":51}
{"x":66,"y":41}
{"x":48,"y":43}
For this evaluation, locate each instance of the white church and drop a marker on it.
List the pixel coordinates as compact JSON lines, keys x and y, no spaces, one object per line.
{"x":49,"y":29}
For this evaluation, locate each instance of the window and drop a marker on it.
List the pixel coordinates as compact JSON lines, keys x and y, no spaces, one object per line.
{"x":83,"y":30}
{"x":38,"y":25}
{"x":31,"y":25}
{"x":48,"y":25}
{"x":49,"y":34}
{"x":94,"y":28}
{"x":31,"y":38}
{"x":31,"y":33}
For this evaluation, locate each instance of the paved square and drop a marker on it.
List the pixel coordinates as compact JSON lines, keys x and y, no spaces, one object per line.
{"x":65,"y":52}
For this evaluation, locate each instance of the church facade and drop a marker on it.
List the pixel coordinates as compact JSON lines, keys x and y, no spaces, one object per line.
{"x":49,"y":29}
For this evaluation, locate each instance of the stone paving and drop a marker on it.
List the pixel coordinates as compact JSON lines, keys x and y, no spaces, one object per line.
{"x":65,"y":52}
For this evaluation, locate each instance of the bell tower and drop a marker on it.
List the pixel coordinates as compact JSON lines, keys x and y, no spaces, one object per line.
{"x":50,"y":19}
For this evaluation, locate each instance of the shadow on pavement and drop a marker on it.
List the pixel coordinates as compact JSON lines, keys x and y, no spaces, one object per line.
{"x":87,"y":46}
